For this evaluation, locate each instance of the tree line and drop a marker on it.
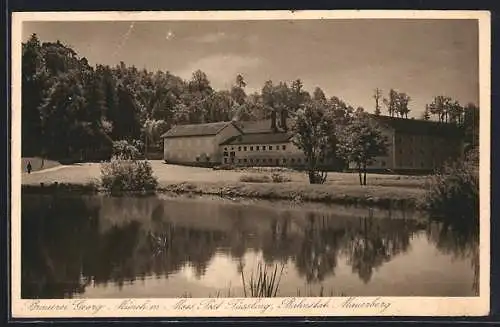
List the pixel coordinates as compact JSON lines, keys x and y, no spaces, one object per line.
{"x":71,"y":109}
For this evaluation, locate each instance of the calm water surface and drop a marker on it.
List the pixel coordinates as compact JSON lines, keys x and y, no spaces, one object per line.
{"x":108,"y":247}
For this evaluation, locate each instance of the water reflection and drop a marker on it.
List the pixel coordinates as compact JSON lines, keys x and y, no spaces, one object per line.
{"x":73,"y":244}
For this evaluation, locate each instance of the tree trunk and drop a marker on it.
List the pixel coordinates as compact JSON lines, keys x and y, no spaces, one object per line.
{"x":364,"y":174}
{"x":360,"y":177}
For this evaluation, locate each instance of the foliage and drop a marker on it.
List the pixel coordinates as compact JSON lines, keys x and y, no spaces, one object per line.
{"x":453,"y":192}
{"x":314,"y":129}
{"x":397,"y":104}
{"x":280,"y":178}
{"x":446,"y":109}
{"x":361,"y":141}
{"x":126,"y":150}
{"x":255,"y":178}
{"x":121,"y":175}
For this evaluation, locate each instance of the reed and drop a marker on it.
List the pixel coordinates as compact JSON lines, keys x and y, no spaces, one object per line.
{"x":263,"y":282}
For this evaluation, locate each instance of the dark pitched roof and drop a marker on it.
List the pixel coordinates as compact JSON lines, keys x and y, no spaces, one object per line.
{"x":259,"y":138}
{"x":195,"y":129}
{"x":259,"y":126}
{"x":416,"y":126}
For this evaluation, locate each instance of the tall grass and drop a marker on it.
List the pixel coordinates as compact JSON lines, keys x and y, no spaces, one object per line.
{"x":263,"y":282}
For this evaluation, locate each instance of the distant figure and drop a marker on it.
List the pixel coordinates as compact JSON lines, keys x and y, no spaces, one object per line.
{"x":28,"y":167}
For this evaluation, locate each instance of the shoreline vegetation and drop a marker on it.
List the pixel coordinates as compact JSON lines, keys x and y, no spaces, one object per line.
{"x":339,"y":194}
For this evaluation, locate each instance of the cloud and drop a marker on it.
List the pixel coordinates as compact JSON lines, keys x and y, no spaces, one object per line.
{"x":222,"y":69}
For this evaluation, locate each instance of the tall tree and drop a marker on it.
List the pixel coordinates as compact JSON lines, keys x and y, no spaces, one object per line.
{"x":402,"y":101}
{"x":391,"y":102}
{"x":314,"y":134}
{"x":378,"y":97}
{"x":318,"y":94}
{"x":359,"y":142}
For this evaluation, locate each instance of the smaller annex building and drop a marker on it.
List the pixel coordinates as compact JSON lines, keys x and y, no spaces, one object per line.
{"x":197,"y":143}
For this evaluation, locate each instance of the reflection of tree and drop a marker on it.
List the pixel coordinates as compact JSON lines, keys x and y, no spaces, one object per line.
{"x":278,"y":244}
{"x":319,"y":249}
{"x":52,"y":230}
{"x":375,"y":242}
{"x":68,"y":243}
{"x":459,"y":238}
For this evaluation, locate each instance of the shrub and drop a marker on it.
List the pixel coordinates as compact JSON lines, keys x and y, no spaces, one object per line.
{"x":126,"y":150}
{"x":454,"y":192}
{"x":120,"y":175}
{"x":280,"y":178}
{"x":255,"y":178}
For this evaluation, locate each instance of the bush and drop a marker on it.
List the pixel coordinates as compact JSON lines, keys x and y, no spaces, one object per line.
{"x":255,"y":178}
{"x":280,"y":178}
{"x":120,"y":175}
{"x":126,"y":150}
{"x":454,"y":192}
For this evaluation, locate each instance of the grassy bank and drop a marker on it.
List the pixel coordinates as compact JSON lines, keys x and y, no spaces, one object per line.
{"x":340,"y":188}
{"x":340,"y":194}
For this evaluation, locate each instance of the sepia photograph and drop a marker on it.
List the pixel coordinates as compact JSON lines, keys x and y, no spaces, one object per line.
{"x":246,"y":163}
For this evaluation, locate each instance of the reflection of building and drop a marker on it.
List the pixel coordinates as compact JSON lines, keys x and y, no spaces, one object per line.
{"x":417,"y":145}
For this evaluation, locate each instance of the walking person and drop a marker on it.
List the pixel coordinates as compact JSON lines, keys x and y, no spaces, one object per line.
{"x":28,"y":167}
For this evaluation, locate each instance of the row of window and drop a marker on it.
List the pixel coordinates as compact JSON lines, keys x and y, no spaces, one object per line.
{"x":258,"y":148}
{"x":268,"y":160}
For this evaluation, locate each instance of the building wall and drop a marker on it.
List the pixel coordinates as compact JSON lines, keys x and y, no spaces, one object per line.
{"x":278,"y":154}
{"x":425,"y":152}
{"x":188,"y":149}
{"x":226,"y":133}
{"x":413,"y":152}
{"x":196,"y":149}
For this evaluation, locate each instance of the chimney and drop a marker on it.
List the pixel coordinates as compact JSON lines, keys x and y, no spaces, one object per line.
{"x":284,"y":115}
{"x":273,"y":121}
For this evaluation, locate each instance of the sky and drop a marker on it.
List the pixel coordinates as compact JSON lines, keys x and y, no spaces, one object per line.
{"x":346,"y":58}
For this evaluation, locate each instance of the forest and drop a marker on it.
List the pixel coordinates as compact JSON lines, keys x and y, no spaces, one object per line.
{"x":71,"y":109}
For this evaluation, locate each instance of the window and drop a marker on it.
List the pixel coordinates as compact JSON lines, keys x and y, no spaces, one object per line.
{"x":244,"y":148}
{"x":232,"y":148}
{"x":257,"y":160}
{"x":251,"y":148}
{"x":239,"y":160}
{"x":225,"y":160}
{"x":263,"y":148}
{"x":245,"y":160}
{"x":293,"y":160}
{"x":239,"y":148}
{"x":270,"y":147}
{"x":283,"y":147}
{"x":225,"y":149}
{"x":225,"y":153}
{"x":284,"y":160}
{"x":257,"y":148}
{"x":251,"y":160}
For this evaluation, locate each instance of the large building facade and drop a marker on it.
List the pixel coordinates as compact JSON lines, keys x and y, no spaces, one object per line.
{"x":417,"y":145}
{"x":414,"y":145}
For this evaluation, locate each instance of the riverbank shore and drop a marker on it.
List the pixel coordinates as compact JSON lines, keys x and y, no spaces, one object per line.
{"x":384,"y":197}
{"x":340,"y":188}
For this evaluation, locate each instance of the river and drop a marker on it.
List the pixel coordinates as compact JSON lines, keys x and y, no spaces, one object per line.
{"x":76,"y":246}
